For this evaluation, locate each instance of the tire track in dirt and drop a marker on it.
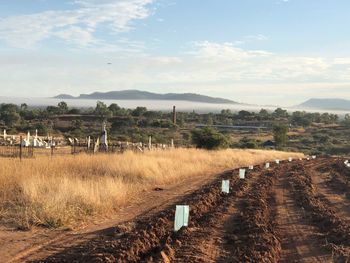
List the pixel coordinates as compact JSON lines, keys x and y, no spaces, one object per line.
{"x":300,"y":241}
{"x":251,"y":234}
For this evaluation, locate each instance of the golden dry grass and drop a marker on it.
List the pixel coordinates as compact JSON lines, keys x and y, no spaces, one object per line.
{"x":66,"y":190}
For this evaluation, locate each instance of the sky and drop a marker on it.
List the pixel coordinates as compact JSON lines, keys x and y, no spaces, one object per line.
{"x":265,"y":52}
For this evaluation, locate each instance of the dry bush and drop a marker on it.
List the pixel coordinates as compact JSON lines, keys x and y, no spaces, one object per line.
{"x":67,"y":190}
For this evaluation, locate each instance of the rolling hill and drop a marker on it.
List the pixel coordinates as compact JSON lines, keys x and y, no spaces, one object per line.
{"x":144,"y":95}
{"x":326,"y":104}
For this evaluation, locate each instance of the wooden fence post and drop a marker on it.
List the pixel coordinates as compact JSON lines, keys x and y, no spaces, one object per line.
{"x":20,"y":148}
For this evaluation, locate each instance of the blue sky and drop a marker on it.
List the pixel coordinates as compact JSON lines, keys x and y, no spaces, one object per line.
{"x":255,"y":51}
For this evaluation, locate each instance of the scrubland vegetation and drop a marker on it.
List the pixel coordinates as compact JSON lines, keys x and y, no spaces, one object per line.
{"x":64,"y":191}
{"x":322,"y":133}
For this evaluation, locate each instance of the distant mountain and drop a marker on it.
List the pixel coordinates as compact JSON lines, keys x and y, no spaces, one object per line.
{"x":144,"y":95}
{"x":64,"y":96}
{"x":327,"y":104}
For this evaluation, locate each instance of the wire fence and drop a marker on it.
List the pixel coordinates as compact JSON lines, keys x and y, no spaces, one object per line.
{"x":16,"y":151}
{"x":21,"y":152}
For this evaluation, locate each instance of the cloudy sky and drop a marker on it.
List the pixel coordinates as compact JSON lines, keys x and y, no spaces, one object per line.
{"x":255,"y":51}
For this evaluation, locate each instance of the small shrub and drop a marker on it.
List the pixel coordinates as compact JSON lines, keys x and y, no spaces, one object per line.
{"x":210,"y":139}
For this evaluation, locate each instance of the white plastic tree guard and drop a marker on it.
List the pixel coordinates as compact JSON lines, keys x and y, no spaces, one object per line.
{"x":277,"y":161}
{"x":225,"y":186}
{"x":251,"y":167}
{"x":267,"y":165}
{"x":290,"y":159}
{"x":313,"y":156}
{"x":241,"y":173}
{"x":182,"y":214}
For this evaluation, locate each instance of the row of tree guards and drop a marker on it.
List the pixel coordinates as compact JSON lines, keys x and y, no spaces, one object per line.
{"x":182,"y":212}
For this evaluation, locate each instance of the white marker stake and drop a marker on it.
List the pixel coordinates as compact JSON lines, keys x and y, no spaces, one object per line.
{"x":267,"y":165}
{"x":241,"y":173}
{"x":277,"y":161}
{"x":225,"y":186}
{"x":182,"y":214}
{"x":251,"y":167}
{"x":290,"y":159}
{"x":313,"y":157}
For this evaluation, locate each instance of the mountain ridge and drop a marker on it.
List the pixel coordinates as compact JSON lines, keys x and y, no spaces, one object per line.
{"x":145,"y":95}
{"x":327,"y":104}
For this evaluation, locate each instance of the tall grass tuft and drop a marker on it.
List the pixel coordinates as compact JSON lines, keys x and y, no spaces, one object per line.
{"x":67,"y":190}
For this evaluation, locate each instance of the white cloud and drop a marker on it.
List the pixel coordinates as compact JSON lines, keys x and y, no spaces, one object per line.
{"x":76,"y":25}
{"x":229,"y":62}
{"x":219,"y":69}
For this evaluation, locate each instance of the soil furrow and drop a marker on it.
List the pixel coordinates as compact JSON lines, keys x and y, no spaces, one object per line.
{"x":300,"y":241}
{"x":336,"y":229}
{"x":207,"y":242}
{"x":253,"y":237}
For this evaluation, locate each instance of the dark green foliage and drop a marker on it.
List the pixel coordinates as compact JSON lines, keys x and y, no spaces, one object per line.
{"x":74,"y":111}
{"x":123,"y":123}
{"x":280,"y":113}
{"x":247,"y":143}
{"x":139,"y":111}
{"x":280,"y":135}
{"x":42,"y":129}
{"x":9,"y":114}
{"x":62,"y":107}
{"x":208,"y":138}
{"x":137,"y":124}
{"x":115,"y":109}
{"x":102,"y":110}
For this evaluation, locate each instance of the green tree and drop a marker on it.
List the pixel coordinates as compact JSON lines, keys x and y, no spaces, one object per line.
{"x":209,"y":138}
{"x":62,"y":107}
{"x":264,"y":114}
{"x":300,"y":118}
{"x":280,"y":113}
{"x":52,"y":110}
{"x":102,"y":110}
{"x":280,"y":135}
{"x":24,"y":107}
{"x":9,"y":114}
{"x":244,"y":115}
{"x":139,"y":111}
{"x":42,"y":128}
{"x":347,"y":120}
{"x":114,"y":108}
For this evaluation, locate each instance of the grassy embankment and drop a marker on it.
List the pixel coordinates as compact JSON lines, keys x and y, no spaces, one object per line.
{"x":66,"y":190}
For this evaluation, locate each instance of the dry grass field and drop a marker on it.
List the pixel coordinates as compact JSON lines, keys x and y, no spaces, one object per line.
{"x":66,"y":190}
